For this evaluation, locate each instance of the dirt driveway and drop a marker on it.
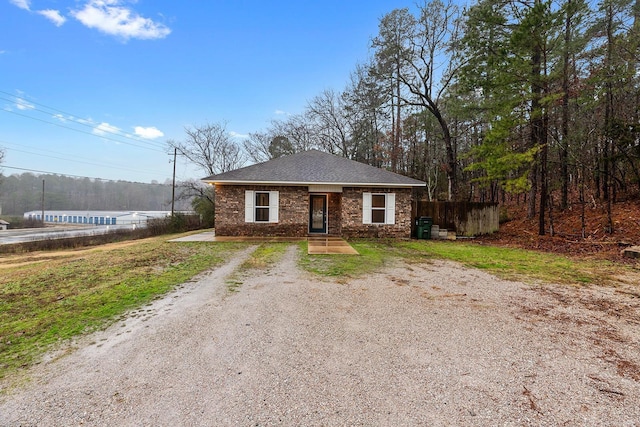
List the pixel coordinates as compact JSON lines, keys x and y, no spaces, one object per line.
{"x":434,"y":344}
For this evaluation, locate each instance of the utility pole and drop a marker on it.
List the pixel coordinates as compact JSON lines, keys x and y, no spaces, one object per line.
{"x":42,"y":205}
{"x":173,"y":187}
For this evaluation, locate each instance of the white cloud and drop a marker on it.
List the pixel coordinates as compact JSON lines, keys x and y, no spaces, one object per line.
{"x":22,"y":4}
{"x":238,"y":135}
{"x":104,"y":128}
{"x":148,"y":133}
{"x":53,"y":16}
{"x":111,"y":18}
{"x":64,"y":119}
{"x":280,"y":113}
{"x":23,"y":104}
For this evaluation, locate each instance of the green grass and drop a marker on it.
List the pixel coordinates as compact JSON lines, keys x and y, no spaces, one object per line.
{"x":515,"y":264}
{"x":507,"y":263}
{"x":373,"y":256}
{"x":47,"y":303}
{"x":265,"y":255}
{"x":262,"y":258}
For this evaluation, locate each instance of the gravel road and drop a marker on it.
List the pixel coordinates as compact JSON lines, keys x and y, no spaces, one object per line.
{"x":431,"y":344}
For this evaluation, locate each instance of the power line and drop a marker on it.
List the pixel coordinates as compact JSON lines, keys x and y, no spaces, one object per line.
{"x":84,"y":132}
{"x":83,"y":161}
{"x":66,"y":116}
{"x":70,"y":175}
{"x":28,"y":105}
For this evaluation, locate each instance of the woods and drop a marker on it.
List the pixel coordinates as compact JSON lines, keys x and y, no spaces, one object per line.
{"x":535,"y":101}
{"x":531,"y":101}
{"x":23,"y":193}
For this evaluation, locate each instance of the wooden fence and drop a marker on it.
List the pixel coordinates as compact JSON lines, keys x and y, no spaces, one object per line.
{"x":465,"y":218}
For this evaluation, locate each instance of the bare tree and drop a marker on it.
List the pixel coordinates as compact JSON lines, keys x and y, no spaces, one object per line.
{"x":331,"y":123}
{"x":298,"y":129}
{"x":364,"y":105}
{"x":392,"y":53}
{"x":282,"y":138}
{"x":257,"y":146}
{"x":433,"y":46}
{"x":211,"y":148}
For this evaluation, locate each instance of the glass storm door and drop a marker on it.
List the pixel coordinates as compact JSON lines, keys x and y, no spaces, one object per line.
{"x":318,"y":214}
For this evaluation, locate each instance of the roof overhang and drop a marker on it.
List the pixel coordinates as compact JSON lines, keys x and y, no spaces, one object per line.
{"x":306,"y":184}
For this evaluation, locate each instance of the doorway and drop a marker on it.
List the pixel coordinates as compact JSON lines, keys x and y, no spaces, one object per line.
{"x":318,"y":213}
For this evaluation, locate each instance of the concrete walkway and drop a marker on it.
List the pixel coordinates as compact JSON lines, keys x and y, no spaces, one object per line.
{"x":330,"y":245}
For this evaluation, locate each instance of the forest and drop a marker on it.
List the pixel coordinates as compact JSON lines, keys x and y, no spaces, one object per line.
{"x":533,"y":102}
{"x":21,"y":193}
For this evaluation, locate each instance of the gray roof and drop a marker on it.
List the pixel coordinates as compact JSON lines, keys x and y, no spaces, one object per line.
{"x":314,"y":167}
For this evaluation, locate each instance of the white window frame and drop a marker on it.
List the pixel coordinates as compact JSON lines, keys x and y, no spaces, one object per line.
{"x":389,"y":208}
{"x":261,"y":207}
{"x":250,"y":206}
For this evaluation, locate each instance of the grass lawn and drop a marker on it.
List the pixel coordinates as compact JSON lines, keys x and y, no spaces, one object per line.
{"x":507,"y":263}
{"x":45,"y":302}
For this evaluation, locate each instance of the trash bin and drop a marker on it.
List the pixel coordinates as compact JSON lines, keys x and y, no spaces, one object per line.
{"x":424,"y":227}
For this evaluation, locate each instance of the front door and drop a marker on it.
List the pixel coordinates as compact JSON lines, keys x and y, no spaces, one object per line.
{"x":318,"y":213}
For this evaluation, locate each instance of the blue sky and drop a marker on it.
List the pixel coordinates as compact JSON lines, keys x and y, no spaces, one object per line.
{"x":96,"y":87}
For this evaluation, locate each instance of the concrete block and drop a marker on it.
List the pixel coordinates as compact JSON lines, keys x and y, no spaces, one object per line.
{"x":631,"y":252}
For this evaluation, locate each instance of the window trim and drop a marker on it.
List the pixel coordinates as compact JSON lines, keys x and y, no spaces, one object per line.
{"x":389,"y":208}
{"x":250,"y":206}
{"x":256,"y":195}
{"x":378,"y":209}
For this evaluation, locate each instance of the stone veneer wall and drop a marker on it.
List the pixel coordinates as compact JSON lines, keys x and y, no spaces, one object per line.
{"x":352,"y":225}
{"x":293,"y":212}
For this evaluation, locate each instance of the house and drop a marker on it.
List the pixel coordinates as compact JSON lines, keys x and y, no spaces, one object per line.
{"x":3,"y":225}
{"x":310,"y":193}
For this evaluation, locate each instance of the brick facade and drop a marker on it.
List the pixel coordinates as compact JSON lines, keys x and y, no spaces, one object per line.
{"x":293,"y":212}
{"x":344,"y":212}
{"x":352,"y":225}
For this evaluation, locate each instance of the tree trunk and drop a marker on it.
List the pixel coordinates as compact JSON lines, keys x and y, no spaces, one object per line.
{"x":398,"y":129}
{"x":564,"y":145}
{"x":608,"y":120}
{"x":535,"y":131}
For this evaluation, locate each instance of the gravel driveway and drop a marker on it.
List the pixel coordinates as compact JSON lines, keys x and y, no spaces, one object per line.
{"x":416,"y":345}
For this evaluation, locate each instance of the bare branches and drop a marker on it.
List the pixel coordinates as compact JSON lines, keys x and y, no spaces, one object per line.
{"x":210,"y":147}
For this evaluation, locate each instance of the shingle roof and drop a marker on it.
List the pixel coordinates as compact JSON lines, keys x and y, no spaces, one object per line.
{"x":314,"y":167}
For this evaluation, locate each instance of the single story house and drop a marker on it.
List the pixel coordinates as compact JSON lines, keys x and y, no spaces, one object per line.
{"x":311,"y":193}
{"x":3,"y":225}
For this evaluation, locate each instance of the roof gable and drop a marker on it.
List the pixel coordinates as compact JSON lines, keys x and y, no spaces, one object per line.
{"x":314,"y":167}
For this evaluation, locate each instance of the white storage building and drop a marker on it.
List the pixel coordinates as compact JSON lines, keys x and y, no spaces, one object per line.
{"x":97,"y":217}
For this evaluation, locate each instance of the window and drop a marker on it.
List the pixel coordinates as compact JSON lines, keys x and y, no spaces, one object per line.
{"x":261,"y":206}
{"x":379,"y":208}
